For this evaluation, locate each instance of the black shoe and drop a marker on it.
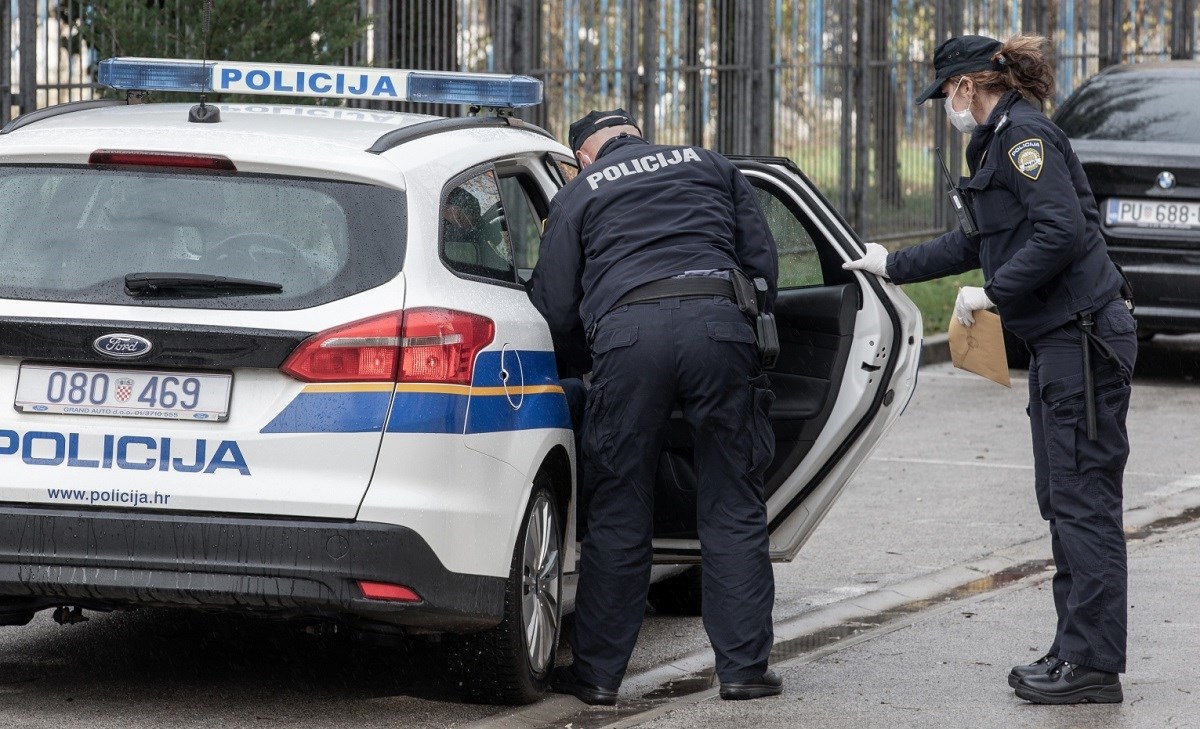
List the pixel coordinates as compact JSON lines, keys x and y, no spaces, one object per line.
{"x":1045,"y":664}
{"x":1070,"y":683}
{"x":564,"y":681}
{"x":768,"y":684}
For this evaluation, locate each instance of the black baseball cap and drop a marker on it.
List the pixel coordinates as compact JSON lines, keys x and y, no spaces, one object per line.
{"x":959,"y":55}
{"x":594,"y":122}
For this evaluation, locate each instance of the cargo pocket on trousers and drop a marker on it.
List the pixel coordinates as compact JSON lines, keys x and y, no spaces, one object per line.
{"x":1071,"y":453}
{"x":762,"y":435}
{"x":730,"y":331}
{"x":614,"y":338}
{"x":1110,"y":450}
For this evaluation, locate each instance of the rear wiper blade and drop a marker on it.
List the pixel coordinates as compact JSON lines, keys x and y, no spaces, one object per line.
{"x":140,"y":284}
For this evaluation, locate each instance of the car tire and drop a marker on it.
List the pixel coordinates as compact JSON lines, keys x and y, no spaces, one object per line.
{"x":498,"y":665}
{"x":679,"y":594}
{"x":1015,"y":351}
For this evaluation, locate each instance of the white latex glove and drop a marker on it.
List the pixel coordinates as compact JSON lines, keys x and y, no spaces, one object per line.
{"x":873,"y":261}
{"x":970,"y":300}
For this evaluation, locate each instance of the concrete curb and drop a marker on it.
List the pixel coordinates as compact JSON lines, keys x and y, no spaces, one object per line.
{"x":935,"y":349}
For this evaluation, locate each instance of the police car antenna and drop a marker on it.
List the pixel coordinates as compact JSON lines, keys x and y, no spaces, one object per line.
{"x":202,"y":113}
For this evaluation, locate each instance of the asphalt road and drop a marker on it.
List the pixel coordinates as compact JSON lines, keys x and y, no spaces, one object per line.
{"x":949,"y":489}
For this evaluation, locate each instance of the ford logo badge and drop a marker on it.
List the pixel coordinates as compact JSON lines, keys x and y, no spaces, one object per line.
{"x":122,"y":346}
{"x":1166,"y":180}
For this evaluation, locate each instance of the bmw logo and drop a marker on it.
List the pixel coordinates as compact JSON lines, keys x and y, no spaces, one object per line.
{"x":1166,"y":180}
{"x":122,"y":346}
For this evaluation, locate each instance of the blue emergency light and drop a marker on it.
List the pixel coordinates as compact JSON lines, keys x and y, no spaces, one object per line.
{"x":336,"y":82}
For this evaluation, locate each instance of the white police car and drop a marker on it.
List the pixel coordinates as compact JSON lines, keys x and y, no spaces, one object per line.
{"x":279,"y":359}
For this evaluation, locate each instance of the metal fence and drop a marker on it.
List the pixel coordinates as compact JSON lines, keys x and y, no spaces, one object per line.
{"x":827,"y":83}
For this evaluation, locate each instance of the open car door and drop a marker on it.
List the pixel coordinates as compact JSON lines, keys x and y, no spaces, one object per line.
{"x":849,"y":348}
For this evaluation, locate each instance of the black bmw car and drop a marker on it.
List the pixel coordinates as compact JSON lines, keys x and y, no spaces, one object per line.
{"x":1136,"y":129}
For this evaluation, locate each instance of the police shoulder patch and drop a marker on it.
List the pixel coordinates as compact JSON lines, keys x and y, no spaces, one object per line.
{"x":1027,"y":157}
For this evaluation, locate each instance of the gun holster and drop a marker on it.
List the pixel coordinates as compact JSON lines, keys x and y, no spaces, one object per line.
{"x":751,"y":299}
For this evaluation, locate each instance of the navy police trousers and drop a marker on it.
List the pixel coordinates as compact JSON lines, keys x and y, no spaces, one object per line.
{"x":1078,"y":484}
{"x":649,"y":358}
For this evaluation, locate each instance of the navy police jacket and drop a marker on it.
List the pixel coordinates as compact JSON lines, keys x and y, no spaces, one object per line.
{"x":1043,"y":258}
{"x":639,"y":213}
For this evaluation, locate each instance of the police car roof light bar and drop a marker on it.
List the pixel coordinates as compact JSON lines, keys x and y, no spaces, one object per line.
{"x":335,"y":82}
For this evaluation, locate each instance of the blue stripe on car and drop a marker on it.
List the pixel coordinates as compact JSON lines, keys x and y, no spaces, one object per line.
{"x":431,"y":408}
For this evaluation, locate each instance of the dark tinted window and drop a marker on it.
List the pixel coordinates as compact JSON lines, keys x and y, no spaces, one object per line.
{"x":1136,"y":107}
{"x":73,"y":233}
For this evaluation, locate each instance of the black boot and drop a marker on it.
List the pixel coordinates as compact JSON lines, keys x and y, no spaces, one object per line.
{"x":1070,"y":683}
{"x":768,"y":684}
{"x":1045,"y":664}
{"x":564,"y":681}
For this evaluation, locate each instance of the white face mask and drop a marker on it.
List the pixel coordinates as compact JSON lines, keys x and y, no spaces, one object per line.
{"x":963,"y":120}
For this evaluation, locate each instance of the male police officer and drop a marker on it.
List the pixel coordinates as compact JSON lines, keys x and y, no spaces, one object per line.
{"x":638,"y":252}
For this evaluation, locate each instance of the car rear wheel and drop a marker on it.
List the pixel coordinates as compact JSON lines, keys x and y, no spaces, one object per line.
{"x":511,"y":663}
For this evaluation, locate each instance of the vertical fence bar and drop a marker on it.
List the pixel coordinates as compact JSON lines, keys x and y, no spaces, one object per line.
{"x":759,"y":115}
{"x":847,"y":102}
{"x":862,"y":105}
{"x":6,"y":95}
{"x":27,"y":27}
{"x":693,"y":79}
{"x":1109,"y":33}
{"x":1183,"y":27}
{"x":633,"y":81}
{"x":650,"y":64}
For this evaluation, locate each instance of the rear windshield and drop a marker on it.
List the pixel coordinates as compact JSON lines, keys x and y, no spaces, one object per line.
{"x":74,"y":233}
{"x":1136,"y":108}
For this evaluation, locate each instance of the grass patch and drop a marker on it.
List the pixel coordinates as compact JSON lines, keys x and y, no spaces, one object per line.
{"x":936,"y":298}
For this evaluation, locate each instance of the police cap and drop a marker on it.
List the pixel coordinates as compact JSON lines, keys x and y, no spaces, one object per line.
{"x":959,"y":55}
{"x":594,"y":122}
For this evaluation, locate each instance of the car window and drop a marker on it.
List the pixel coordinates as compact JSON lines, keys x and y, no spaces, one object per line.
{"x":524,"y":221}
{"x":71,"y":233}
{"x":1136,"y":108}
{"x":799,"y":264}
{"x":475,"y":239}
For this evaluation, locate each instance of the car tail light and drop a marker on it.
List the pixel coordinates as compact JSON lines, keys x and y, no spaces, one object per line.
{"x":439,"y":345}
{"x":385,"y":591}
{"x":162,"y":159}
{"x":418,"y":345}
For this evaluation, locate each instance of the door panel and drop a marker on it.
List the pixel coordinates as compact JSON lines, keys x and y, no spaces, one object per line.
{"x":849,"y":347}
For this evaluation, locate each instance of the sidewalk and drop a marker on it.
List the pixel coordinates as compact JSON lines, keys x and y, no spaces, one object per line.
{"x":947,"y":667}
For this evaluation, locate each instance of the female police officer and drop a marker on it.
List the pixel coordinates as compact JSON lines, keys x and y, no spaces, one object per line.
{"x":1047,"y":270}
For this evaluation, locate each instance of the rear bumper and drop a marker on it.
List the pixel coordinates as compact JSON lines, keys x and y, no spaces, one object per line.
{"x":1166,"y":287}
{"x":303,"y":569}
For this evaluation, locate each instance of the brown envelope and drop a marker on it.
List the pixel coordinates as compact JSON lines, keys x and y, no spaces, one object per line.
{"x":980,"y":348}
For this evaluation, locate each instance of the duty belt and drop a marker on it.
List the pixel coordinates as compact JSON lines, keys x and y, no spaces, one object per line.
{"x":737,"y":288}
{"x":687,"y":287}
